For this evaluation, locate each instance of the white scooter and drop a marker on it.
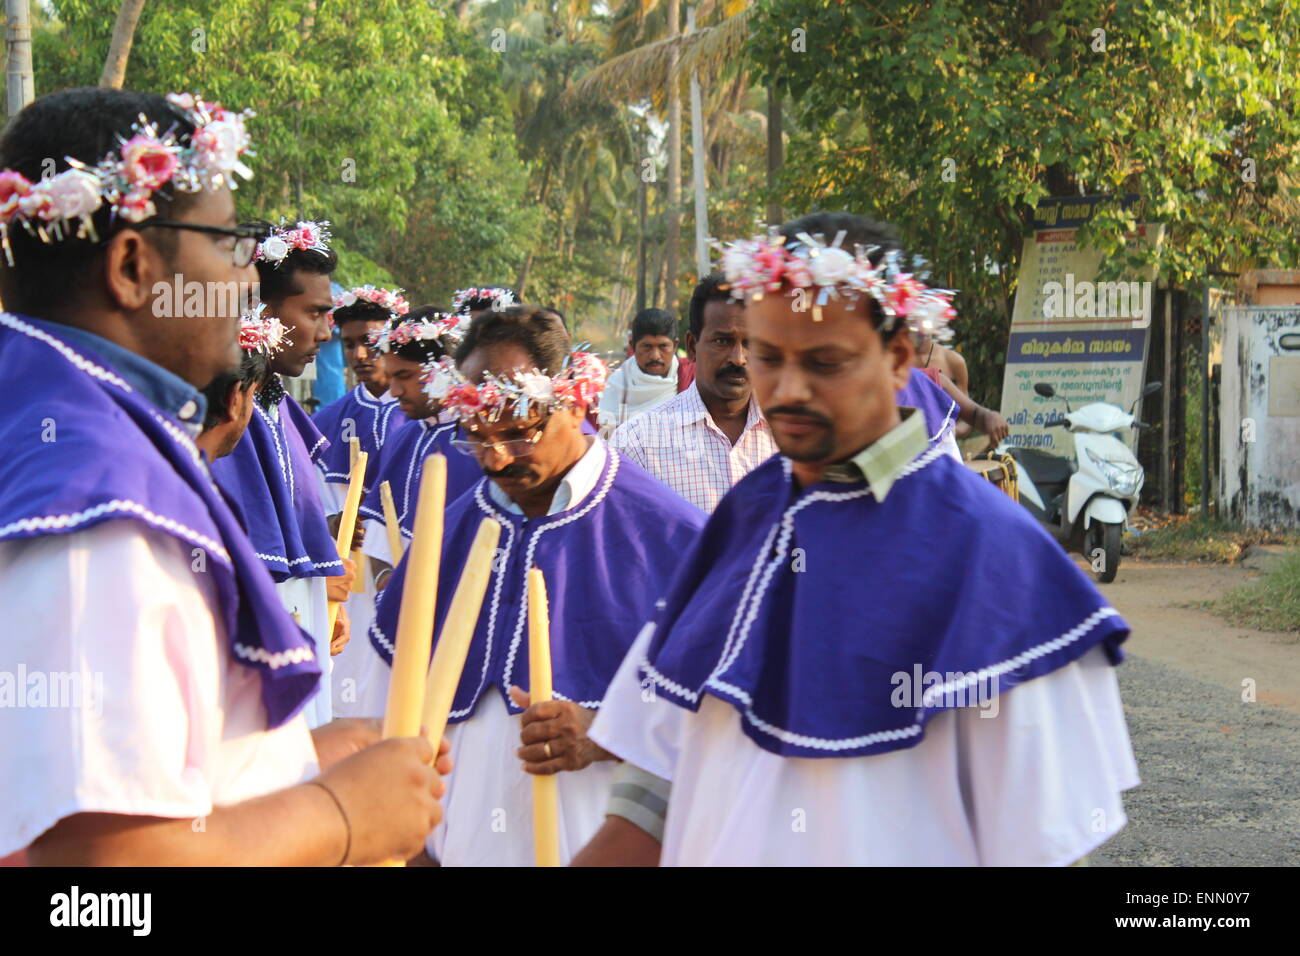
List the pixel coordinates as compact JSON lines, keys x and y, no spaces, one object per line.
{"x":1085,"y":501}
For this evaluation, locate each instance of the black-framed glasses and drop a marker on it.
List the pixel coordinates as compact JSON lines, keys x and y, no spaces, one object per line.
{"x":514,"y":448}
{"x":246,"y":237}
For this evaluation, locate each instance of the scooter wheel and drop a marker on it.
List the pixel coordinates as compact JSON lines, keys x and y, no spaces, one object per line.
{"x":1104,"y":549}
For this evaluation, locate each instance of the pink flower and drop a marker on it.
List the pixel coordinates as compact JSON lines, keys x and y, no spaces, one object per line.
{"x":13,"y":187}
{"x":73,"y":194}
{"x":147,"y":162}
{"x":135,"y":206}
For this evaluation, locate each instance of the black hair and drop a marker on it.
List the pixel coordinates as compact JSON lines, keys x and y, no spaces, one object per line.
{"x":551,"y":310}
{"x":858,"y":231}
{"x":653,"y":322}
{"x":362,"y":310}
{"x":532,"y":329}
{"x":253,"y":369}
{"x":712,"y":288}
{"x":85,"y":124}
{"x":279,"y":280}
{"x":423,"y":350}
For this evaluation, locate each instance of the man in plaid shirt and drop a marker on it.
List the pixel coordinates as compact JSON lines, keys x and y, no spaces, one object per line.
{"x":712,"y":434}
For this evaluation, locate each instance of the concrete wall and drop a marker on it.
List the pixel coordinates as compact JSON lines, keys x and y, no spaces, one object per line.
{"x":1259,"y":463}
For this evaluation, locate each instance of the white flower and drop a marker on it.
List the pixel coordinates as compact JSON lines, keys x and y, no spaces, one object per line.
{"x":274,"y":249}
{"x":830,"y":266}
{"x":73,"y":193}
{"x":348,"y":298}
{"x":536,"y":386}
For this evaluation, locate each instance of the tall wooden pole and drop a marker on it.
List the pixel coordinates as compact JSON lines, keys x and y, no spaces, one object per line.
{"x":674,"y":210}
{"x":697,"y":168}
{"x":19,"y":84}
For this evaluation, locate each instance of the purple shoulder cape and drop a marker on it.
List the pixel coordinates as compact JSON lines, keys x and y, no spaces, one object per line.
{"x":838,"y":626}
{"x":114,"y":456}
{"x":372,"y":421}
{"x":271,"y":476}
{"x":936,"y":405}
{"x":400,"y":465}
{"x":605,"y":559}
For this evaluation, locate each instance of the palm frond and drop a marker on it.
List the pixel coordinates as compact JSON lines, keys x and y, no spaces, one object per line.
{"x":646,"y":70}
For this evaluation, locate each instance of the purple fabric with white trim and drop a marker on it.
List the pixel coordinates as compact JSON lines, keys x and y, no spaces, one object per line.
{"x":604,"y":560}
{"x":271,"y":475}
{"x":802,"y":608}
{"x":115,"y":456}
{"x":402,"y":464}
{"x":938,"y":407}
{"x":373,"y":421}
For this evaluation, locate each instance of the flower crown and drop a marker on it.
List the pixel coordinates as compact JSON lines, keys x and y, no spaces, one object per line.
{"x":436,"y":326}
{"x":384,"y":298}
{"x":760,"y":265}
{"x":261,"y":333}
{"x":276,"y":247}
{"x":128,"y":178}
{"x":499,"y":297}
{"x":579,"y":382}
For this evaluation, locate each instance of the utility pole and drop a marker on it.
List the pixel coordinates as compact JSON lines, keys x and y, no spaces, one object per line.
{"x":19,"y":85}
{"x":697,"y":168}
{"x":674,"y":210}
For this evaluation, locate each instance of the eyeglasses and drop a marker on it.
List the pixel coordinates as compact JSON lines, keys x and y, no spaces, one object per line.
{"x":246,"y":237}
{"x":515,"y":448}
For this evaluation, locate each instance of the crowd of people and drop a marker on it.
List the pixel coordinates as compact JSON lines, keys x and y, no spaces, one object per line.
{"x":780,"y":606}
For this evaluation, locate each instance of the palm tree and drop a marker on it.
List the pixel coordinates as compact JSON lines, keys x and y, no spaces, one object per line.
{"x":655,"y":68}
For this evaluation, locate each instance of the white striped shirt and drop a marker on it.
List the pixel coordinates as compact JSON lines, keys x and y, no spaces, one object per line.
{"x":680,"y":444}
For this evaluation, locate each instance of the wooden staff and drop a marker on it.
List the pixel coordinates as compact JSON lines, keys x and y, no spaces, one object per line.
{"x":415,"y":614}
{"x":358,"y":558}
{"x":347,"y":524}
{"x":458,"y":630}
{"x":419,"y":599}
{"x":546,"y":794}
{"x":395,"y":545}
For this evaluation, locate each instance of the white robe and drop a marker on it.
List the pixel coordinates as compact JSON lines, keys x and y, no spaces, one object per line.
{"x":630,"y":391}
{"x":171,"y":725}
{"x":1036,"y":785}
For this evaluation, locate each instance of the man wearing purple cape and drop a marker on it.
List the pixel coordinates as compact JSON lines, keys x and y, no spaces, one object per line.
{"x":162,"y":684}
{"x":821,"y":684}
{"x":605,"y":534}
{"x":272,"y":473}
{"x":404,"y":345}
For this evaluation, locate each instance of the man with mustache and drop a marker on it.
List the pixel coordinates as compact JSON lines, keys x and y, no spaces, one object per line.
{"x":806,"y":687}
{"x":272,"y":472}
{"x":649,"y":377}
{"x":713,"y":434}
{"x":604,"y":534}
{"x":178,"y":737}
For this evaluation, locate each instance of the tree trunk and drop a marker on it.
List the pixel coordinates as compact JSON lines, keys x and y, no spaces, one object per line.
{"x":462,"y":10}
{"x":119,"y":48}
{"x":775,"y":150}
{"x":674,"y":210}
{"x":20,"y":85}
{"x":697,"y":169}
{"x":521,"y":281}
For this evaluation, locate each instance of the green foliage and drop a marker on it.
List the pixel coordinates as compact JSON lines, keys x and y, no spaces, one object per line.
{"x":356,"y":104}
{"x":1270,"y":604}
{"x":890,"y":95}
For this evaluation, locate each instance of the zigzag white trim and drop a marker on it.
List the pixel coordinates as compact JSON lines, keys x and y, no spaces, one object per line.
{"x":902,"y":733}
{"x":48,"y":522}
{"x":286,"y":469}
{"x":9,"y":320}
{"x":260,"y":655}
{"x":499,"y":574}
{"x":595,"y":498}
{"x":383,"y":639}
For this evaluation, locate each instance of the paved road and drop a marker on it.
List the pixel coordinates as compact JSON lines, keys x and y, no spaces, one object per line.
{"x":1220,"y":777}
